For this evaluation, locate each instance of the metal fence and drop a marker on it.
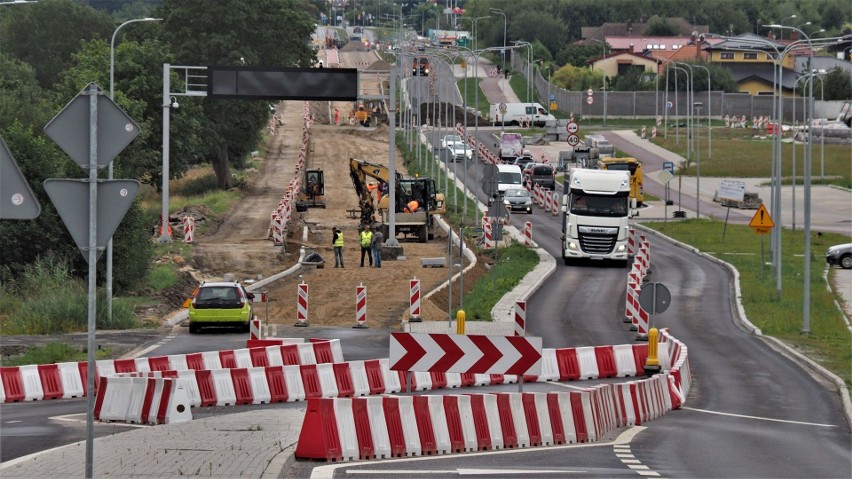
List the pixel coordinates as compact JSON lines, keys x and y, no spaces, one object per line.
{"x":644,"y":104}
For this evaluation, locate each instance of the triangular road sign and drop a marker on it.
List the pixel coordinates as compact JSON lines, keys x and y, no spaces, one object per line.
{"x":761,"y":219}
{"x":17,"y":201}
{"x":498,"y":209}
{"x":71,"y":199}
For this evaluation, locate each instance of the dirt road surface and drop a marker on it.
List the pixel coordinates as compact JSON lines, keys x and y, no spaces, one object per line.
{"x":240,"y":246}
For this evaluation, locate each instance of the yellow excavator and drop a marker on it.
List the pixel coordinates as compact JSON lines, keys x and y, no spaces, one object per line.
{"x":417,"y":201}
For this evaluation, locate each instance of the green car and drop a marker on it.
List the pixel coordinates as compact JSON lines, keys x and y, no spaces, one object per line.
{"x":220,"y":304}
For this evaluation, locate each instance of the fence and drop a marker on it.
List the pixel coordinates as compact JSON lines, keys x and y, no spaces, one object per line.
{"x":641,"y":104}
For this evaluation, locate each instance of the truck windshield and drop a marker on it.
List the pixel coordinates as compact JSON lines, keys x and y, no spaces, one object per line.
{"x":631,"y":167}
{"x":598,"y":205}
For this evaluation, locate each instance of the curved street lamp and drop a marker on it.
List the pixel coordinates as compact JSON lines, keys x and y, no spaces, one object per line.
{"x":500,"y":12}
{"x":109,"y":251}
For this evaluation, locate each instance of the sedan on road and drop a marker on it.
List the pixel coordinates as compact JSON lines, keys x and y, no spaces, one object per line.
{"x":518,"y":199}
{"x":450,"y":140}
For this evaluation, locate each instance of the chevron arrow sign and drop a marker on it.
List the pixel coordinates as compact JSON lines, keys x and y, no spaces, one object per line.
{"x":450,"y":353}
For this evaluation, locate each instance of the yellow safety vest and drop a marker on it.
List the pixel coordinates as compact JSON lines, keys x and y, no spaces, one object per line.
{"x":366,"y":238}
{"x":338,"y":241}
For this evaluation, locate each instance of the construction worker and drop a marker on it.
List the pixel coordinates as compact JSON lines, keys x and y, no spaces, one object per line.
{"x":412,"y":206}
{"x":376,"y":247}
{"x":337,"y":242}
{"x":336,"y":116}
{"x":366,"y":241}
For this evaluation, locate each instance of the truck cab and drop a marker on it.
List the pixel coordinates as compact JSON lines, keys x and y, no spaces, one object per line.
{"x":596,"y":208}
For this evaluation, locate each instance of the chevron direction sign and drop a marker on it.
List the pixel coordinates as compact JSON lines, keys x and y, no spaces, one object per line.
{"x":450,"y":353}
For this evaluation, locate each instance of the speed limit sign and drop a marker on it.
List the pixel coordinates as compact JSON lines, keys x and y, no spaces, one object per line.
{"x":573,"y":140}
{"x":590,"y":99}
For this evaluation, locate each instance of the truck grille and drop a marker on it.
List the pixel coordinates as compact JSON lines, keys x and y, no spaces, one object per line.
{"x":598,"y":240}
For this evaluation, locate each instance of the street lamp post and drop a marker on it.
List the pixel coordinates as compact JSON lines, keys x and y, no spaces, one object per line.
{"x":109,"y":250}
{"x":497,"y":10}
{"x":604,"y":76}
{"x":697,"y":105}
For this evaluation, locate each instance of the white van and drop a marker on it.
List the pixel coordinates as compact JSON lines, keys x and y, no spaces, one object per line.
{"x":509,"y":176}
{"x":518,"y":112}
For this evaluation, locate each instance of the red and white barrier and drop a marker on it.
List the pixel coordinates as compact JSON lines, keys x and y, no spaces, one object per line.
{"x":487,"y":234}
{"x":143,"y":400}
{"x":254,"y":329}
{"x":302,"y":305}
{"x":188,"y":229}
{"x":556,"y":204}
{"x":528,"y":233}
{"x":414,"y":299}
{"x":360,"y":306}
{"x":521,"y":317}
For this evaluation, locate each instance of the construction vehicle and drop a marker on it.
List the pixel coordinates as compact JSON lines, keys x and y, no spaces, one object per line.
{"x":420,"y":67}
{"x":596,"y":207}
{"x":361,"y":115}
{"x":631,"y":165}
{"x":411,"y":219}
{"x":313,"y":194}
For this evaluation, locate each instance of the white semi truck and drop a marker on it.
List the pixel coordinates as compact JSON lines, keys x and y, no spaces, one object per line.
{"x":595,"y":209}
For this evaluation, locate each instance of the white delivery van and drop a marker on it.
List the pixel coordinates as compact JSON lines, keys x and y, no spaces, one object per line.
{"x":518,"y":112}
{"x":509,"y":176}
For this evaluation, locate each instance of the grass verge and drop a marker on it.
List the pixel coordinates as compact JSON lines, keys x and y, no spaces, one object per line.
{"x":512,"y":264}
{"x":829,"y":342}
{"x":54,"y":353}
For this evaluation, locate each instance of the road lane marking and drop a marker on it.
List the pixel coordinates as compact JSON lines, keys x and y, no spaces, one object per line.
{"x":758,"y":418}
{"x":162,"y":342}
{"x":463,"y":472}
{"x":327,"y":472}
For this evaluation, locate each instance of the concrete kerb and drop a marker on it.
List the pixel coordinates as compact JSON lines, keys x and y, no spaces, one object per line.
{"x":782,"y":348}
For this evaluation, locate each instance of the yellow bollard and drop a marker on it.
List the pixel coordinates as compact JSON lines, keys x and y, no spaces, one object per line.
{"x":652,"y":363}
{"x":460,"y":322}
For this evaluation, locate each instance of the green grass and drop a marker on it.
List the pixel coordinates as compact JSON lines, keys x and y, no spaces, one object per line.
{"x":736,"y":154}
{"x":514,"y":262}
{"x":46,"y":300}
{"x":56,"y":352}
{"x":162,"y":277}
{"x":829,"y":342}
{"x":472,"y":87}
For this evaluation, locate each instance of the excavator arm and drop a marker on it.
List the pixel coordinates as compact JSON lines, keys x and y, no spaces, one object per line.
{"x":359,"y":171}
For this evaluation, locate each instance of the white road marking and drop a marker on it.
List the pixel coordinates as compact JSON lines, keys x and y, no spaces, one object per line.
{"x":637,"y":467}
{"x":13,"y":422}
{"x":155,"y":346}
{"x":760,"y":418}
{"x":569,"y":386}
{"x":648,"y":473}
{"x":463,"y":472}
{"x":327,"y":472}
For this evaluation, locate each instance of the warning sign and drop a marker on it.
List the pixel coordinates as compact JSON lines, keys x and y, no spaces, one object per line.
{"x":762,"y":221}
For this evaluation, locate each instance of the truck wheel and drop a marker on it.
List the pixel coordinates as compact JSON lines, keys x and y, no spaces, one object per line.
{"x":193,"y":328}
{"x":422,"y":234}
{"x":567,"y":261}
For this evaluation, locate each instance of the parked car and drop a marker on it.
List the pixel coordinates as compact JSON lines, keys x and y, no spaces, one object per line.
{"x":449,"y":140}
{"x":220,"y":304}
{"x":840,"y":254}
{"x":518,"y":199}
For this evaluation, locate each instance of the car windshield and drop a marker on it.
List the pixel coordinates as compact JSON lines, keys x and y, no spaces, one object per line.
{"x":508,"y":177}
{"x":451,"y":139}
{"x":218,"y":294}
{"x":517,"y":192}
